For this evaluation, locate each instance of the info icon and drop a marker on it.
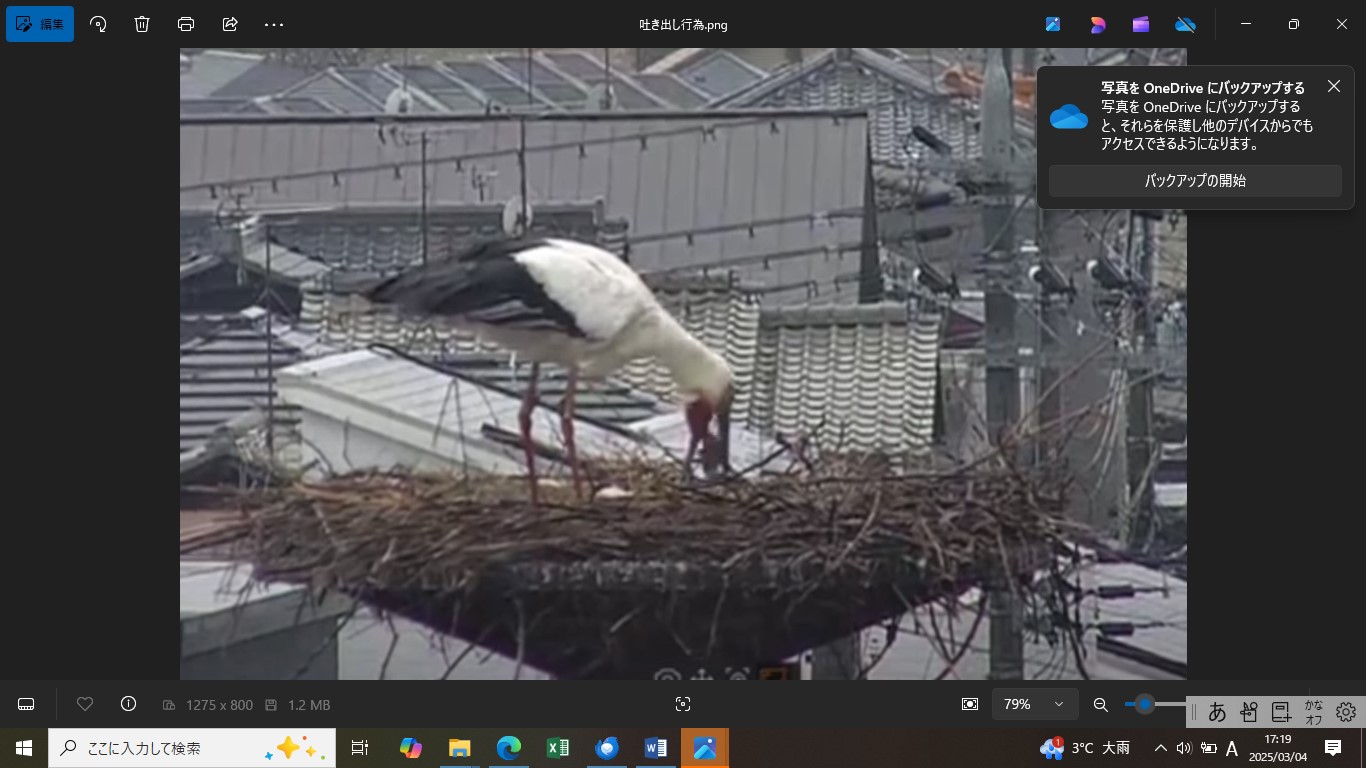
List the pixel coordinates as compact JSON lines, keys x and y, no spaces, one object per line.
{"x":969,"y":704}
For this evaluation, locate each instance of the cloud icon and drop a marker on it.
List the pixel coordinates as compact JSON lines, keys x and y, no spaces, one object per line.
{"x":1069,"y":117}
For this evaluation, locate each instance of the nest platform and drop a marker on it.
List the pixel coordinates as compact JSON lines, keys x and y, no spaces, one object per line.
{"x":730,"y":574}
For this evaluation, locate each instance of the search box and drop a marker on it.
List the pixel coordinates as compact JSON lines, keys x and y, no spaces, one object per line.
{"x":1035,"y":704}
{"x":191,"y":747}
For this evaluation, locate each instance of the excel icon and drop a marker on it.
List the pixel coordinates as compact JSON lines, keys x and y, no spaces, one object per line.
{"x":556,"y":748}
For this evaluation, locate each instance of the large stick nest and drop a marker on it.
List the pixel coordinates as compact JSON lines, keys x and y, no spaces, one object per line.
{"x":784,"y":532}
{"x":736,"y":569}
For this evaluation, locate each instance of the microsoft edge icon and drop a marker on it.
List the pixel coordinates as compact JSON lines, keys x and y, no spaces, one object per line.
{"x":1068,"y":117}
{"x":508,"y":746}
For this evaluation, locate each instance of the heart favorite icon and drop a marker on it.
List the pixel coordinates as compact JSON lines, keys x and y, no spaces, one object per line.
{"x":85,"y":702}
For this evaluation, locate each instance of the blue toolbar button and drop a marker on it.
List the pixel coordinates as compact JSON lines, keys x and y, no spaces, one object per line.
{"x":40,"y":23}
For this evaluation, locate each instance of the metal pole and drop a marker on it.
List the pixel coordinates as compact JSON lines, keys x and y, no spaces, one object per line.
{"x":270,"y":354}
{"x":1003,"y":380}
{"x":522,"y":221}
{"x":1140,"y":397}
{"x":424,"y":197}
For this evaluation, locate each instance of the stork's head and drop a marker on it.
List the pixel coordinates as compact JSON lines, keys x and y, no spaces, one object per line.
{"x":705,"y":405}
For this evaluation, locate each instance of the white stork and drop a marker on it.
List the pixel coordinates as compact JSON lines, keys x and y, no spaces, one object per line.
{"x":560,"y":301}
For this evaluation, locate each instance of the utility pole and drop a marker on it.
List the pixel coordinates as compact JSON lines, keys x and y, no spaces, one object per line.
{"x":1139,"y":393}
{"x":1051,"y":313}
{"x":424,"y":196}
{"x":270,"y":350}
{"x":1003,"y":380}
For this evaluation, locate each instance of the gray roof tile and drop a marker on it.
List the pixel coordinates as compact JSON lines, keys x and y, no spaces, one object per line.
{"x":561,"y":90}
{"x":868,"y":371}
{"x":336,"y":323}
{"x":495,"y":84}
{"x":264,"y":79}
{"x":444,"y":89}
{"x":331,"y":89}
{"x":299,"y":105}
{"x":865,"y":375}
{"x":721,"y":73}
{"x":196,"y":235}
{"x":899,"y":97}
{"x":674,"y":89}
{"x":211,"y":70}
{"x":628,"y":94}
{"x":224,"y":374}
{"x":388,"y":239}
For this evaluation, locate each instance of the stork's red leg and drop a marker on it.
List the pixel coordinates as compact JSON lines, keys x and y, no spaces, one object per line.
{"x":524,"y":421}
{"x":688,"y":459}
{"x":567,"y":427}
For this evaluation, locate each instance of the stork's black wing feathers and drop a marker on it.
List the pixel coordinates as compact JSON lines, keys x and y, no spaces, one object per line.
{"x":485,"y":284}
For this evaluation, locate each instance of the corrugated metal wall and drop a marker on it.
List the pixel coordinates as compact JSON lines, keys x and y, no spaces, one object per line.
{"x":667,"y":177}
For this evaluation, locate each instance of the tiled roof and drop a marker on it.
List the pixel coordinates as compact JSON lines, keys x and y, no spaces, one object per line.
{"x":374,"y":240}
{"x":865,"y":374}
{"x":263,"y":79}
{"x":558,"y":81}
{"x":869,"y":370}
{"x":899,"y":99}
{"x":225,"y":364}
{"x":260,"y":105}
{"x":209,"y":71}
{"x":207,"y":238}
{"x":335,"y":320}
{"x":1136,"y":57}
{"x":723,"y":315}
{"x":690,"y":186}
{"x":196,"y":235}
{"x":232,"y":74}
{"x":628,"y":93}
{"x":675,"y":89}
{"x":720,"y":73}
{"x":383,"y":239}
{"x":335,"y":91}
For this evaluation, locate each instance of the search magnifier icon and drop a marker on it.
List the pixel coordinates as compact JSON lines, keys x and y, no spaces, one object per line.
{"x":69,"y":746}
{"x":1100,"y":705}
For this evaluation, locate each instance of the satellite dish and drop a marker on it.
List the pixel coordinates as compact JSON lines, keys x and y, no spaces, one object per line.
{"x":601,"y":94}
{"x":512,"y":211}
{"x":399,"y":102}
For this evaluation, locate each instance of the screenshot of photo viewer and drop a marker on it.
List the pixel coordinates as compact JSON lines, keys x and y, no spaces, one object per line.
{"x":635,"y":369}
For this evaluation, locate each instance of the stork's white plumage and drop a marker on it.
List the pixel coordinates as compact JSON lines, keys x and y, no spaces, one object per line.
{"x":561,"y":301}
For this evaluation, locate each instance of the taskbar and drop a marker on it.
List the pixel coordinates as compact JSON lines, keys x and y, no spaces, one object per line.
{"x":1171,"y":704}
{"x":707,"y":744}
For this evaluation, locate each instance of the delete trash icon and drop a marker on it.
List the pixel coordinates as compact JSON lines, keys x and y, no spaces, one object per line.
{"x":1068,"y":117}
{"x":1332,"y":746}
